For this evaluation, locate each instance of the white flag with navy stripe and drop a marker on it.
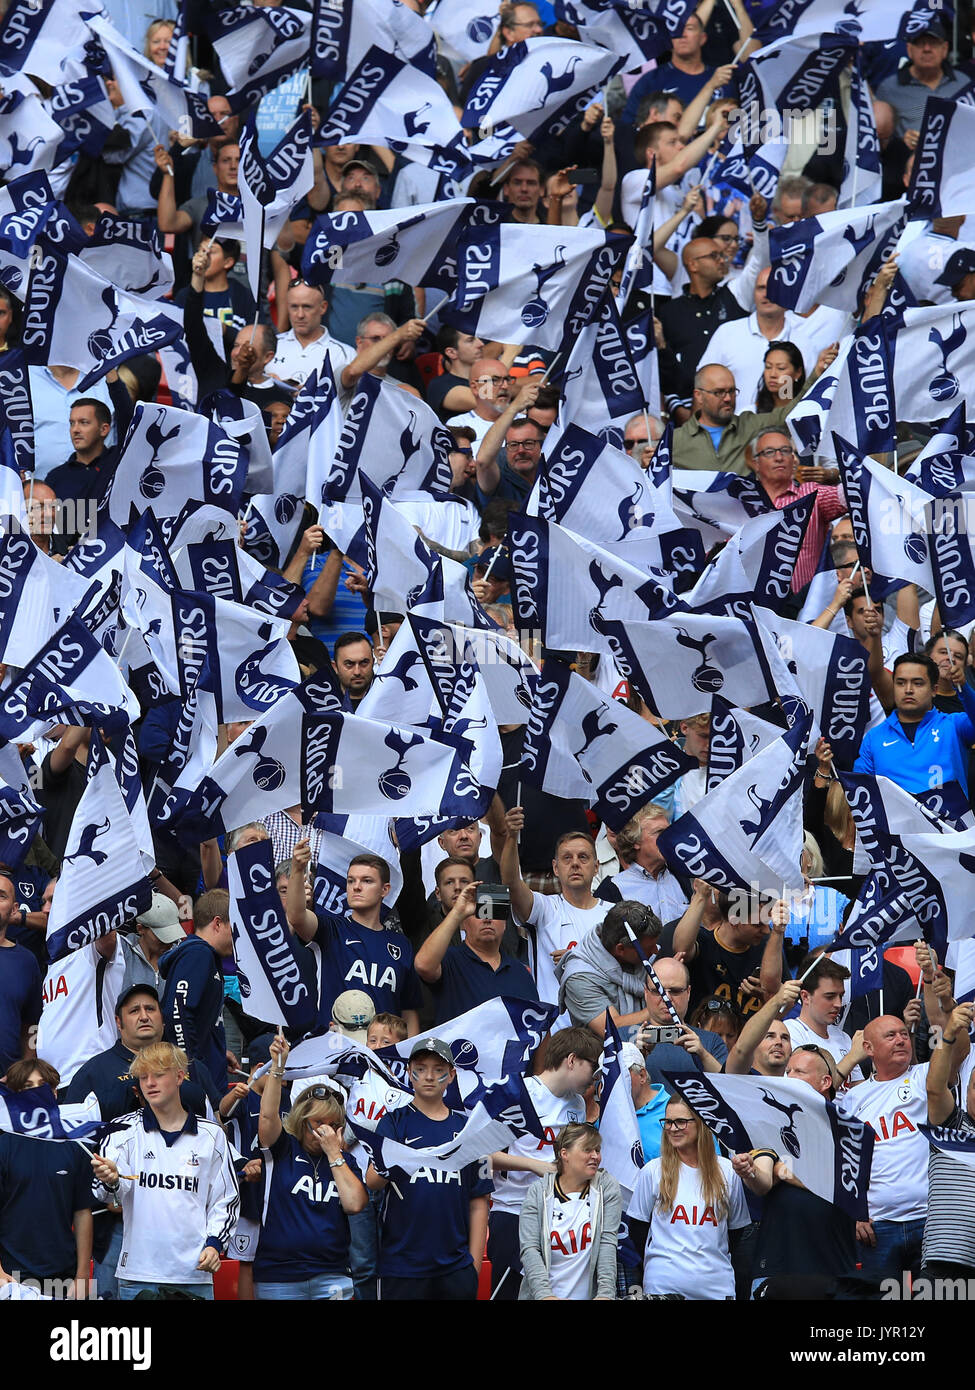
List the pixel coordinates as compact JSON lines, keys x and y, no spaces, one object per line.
{"x":828,"y":259}
{"x":276,"y":985}
{"x":540,"y":86}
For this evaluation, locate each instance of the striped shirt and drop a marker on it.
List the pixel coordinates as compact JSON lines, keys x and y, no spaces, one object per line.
{"x":830,"y":503}
{"x":285,"y":834}
{"x":949,"y":1230}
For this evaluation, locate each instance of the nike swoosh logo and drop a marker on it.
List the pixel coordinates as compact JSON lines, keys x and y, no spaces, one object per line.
{"x":354,"y":942}
{"x":890,"y":744}
{"x":410,"y":1141}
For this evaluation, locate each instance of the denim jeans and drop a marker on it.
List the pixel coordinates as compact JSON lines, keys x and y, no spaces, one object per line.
{"x":364,"y":1248}
{"x":106,"y":1284}
{"x":334,"y":1287}
{"x":898,"y":1248}
{"x":128,"y":1288}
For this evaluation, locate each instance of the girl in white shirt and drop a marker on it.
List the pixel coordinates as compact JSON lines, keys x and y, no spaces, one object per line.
{"x":687,"y":1200}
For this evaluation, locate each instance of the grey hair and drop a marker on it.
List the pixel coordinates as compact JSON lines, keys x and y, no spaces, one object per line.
{"x":782,"y":430}
{"x":233,"y":836}
{"x":792,"y":186}
{"x":376,"y":317}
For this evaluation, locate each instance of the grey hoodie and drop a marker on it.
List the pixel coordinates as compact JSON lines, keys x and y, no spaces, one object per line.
{"x":535,"y":1224}
{"x":622,"y":988}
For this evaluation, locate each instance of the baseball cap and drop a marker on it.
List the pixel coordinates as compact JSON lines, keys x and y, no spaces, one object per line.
{"x":366,"y":164}
{"x":436,"y":1046}
{"x":500,"y":568}
{"x":936,"y":29}
{"x":127,"y":994}
{"x":353,"y":1011}
{"x":631,"y":1056}
{"x":163,"y":919}
{"x":959,"y":264}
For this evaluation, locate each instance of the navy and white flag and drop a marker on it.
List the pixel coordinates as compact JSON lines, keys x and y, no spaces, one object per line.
{"x":735,"y":737}
{"x":949,"y":858}
{"x":244,"y":658}
{"x":273,"y":985}
{"x":958,"y":1144}
{"x":207,"y":558}
{"x":272,"y":526}
{"x":543,"y":283}
{"x":26,"y":207}
{"x":224,"y":214}
{"x":388,"y":101}
{"x":757,"y":564}
{"x":747,"y":832}
{"x":147,"y":89}
{"x":408,"y":244}
{"x":952,"y":559}
{"x":596,"y":490}
{"x":464,"y":27}
{"x":952,"y":436}
{"x":243,"y":420}
{"x":341,"y":35}
{"x":29,"y":139}
{"x":270,"y":186}
{"x":393,"y":440}
{"x":539,"y":86}
{"x":866,"y":21}
{"x":35,"y":1114}
{"x":20,"y":813}
{"x":36,"y":594}
{"x":77,"y":318}
{"x":876,"y":920}
{"x":465,"y":720}
{"x":600,"y":387}
{"x":571,"y":590}
{"x":407,"y":773}
{"x":258,"y":48}
{"x":829,"y":259}
{"x":191,"y":754}
{"x":933,"y":353}
{"x":862,"y":180}
{"x":502,"y":1113}
{"x":71,"y":668}
{"x":171,"y":457}
{"x":495,"y":1039}
{"x":829,"y":1152}
{"x":130,"y":254}
{"x":828,"y":670}
{"x":257,"y":774}
{"x":715,"y":504}
{"x":36,"y":35}
{"x":102,"y":883}
{"x":677,"y":662}
{"x":940,"y":185}
{"x":636,"y":34}
{"x":303,"y":454}
{"x":508,"y":672}
{"x":638,"y":267}
{"x":889,"y":522}
{"x":579,"y":743}
{"x":622,"y":1152}
{"x":853,"y":398}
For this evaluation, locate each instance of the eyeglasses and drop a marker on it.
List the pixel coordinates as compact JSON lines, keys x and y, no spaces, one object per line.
{"x":715,"y":1006}
{"x":322,"y":1093}
{"x":675,"y":1124}
{"x":707,"y":256}
{"x":787,"y":453}
{"x":718,"y":391}
{"x":523,"y":444}
{"x":811,"y":1047}
{"x":633,"y":446}
{"x":494,"y":380}
{"x":724,"y":236}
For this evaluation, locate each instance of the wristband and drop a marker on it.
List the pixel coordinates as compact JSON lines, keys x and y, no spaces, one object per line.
{"x":949,"y":1041}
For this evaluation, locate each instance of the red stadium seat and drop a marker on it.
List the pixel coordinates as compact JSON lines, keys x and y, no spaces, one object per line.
{"x":484,"y":1282}
{"x":904,"y":957}
{"x":225,"y":1281}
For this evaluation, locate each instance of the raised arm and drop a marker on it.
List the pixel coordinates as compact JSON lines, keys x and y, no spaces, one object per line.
{"x":880,"y":678}
{"x":686,"y":930}
{"x":488,"y":472}
{"x":373,"y":353}
{"x":943,"y":1063}
{"x":269,"y":1120}
{"x":428,"y":959}
{"x":739,"y":1061}
{"x":522,"y":897}
{"x":301,"y":919}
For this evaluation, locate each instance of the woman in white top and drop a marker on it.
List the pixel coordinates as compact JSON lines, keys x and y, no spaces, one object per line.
{"x":684,"y":1204}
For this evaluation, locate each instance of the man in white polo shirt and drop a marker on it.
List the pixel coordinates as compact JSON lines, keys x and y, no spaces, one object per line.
{"x":894,"y":1103}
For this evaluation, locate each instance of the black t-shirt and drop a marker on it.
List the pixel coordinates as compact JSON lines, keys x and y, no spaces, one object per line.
{"x":59,"y":794}
{"x":546,"y":816}
{"x":802,"y":1234}
{"x":716,"y":970}
{"x":440,"y":387}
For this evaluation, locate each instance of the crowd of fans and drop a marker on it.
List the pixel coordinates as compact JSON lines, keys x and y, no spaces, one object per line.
{"x":216,"y":1161}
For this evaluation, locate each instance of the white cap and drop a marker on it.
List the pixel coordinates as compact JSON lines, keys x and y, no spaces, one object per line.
{"x":631,"y":1056}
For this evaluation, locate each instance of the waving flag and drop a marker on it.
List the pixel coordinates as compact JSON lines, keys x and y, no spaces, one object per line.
{"x":889,"y":522}
{"x":69,"y":669}
{"x":570,"y":271}
{"x":74,"y":317}
{"x":408,"y":244}
{"x":758,"y":563}
{"x":509,"y":673}
{"x":865,"y":21}
{"x":464,"y":27}
{"x":270,"y":187}
{"x":393,"y":440}
{"x":258,"y":47}
{"x":35,"y":1114}
{"x":573,"y":591}
{"x":169,"y":458}
{"x":305,"y":448}
{"x":341,"y":35}
{"x":952,"y":558}
{"x":622,"y":1151}
{"x":102,"y":883}
{"x":581,"y":744}
{"x":600,"y":387}
{"x":466,"y":722}
{"x":677,"y":662}
{"x":734,"y":739}
{"x":147,"y":89}
{"x":958,"y":1144}
{"x":933,"y":353}
{"x":940,"y":185}
{"x":20,"y":814}
{"x":35,"y":35}
{"x":830,"y":258}
{"x":636,"y":34}
{"x":495,"y":1039}
{"x":747,"y":832}
{"x":341,"y":839}
{"x":716,"y":504}
{"x":862,"y":181}
{"x":26,"y":208}
{"x":129,"y":254}
{"x":539,"y":86}
{"x":38,"y":595}
{"x":829,"y":1152}
{"x":29,"y":139}
{"x":273,"y":985}
{"x":258,"y":773}
{"x":388,"y":101}
{"x":876,"y":921}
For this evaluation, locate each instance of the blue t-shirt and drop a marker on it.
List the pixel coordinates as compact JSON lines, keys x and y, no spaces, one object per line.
{"x":715,"y":431}
{"x":304,"y":1231}
{"x":380,"y":963}
{"x":426,"y":1214}
{"x":42,"y":1185}
{"x":937,"y":754}
{"x":666,"y":78}
{"x":20,"y":999}
{"x":466,"y":981}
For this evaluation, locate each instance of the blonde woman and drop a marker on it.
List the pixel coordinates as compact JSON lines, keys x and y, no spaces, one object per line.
{"x":174,"y":1177}
{"x":683,"y":1207}
{"x":311,"y":1187}
{"x":568,"y":1227}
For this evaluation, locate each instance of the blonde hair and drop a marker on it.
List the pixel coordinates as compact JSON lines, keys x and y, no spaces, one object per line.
{"x":713,"y":1187}
{"x":837,"y":814}
{"x":160,"y":1056}
{"x":306,"y":1104}
{"x":629,"y":837}
{"x":811,"y":846}
{"x":154,"y":29}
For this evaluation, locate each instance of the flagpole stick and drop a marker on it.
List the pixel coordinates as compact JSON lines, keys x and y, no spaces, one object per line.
{"x":500,"y":1282}
{"x":549,"y":370}
{"x":917,"y":995}
{"x":518,"y":803}
{"x":653,"y":978}
{"x":494,"y":557}
{"x":810,"y":968}
{"x":129,"y":1177}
